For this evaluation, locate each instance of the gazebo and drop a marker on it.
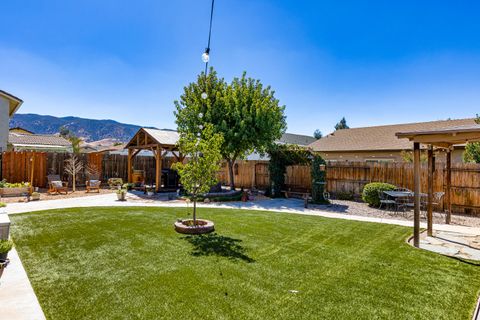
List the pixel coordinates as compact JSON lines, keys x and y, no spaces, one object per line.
{"x":159,"y":142}
{"x":443,"y":139}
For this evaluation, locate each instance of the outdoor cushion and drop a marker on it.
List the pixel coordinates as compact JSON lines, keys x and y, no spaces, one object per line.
{"x":94,"y":183}
{"x":57,"y":184}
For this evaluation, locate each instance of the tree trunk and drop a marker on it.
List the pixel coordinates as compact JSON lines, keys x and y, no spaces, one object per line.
{"x":231,"y":163}
{"x":73,"y":181}
{"x":195,"y":210}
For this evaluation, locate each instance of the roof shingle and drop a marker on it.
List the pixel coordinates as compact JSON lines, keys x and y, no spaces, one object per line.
{"x":380,"y":137}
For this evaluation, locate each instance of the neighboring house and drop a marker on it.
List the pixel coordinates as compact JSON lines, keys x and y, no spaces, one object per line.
{"x":287,"y":138}
{"x":9,"y":104}
{"x":38,"y":142}
{"x":20,"y":130}
{"x":379,"y":143}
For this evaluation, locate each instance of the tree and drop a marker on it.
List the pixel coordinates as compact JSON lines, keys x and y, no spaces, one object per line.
{"x":73,"y":166}
{"x":472,"y":149}
{"x":342,"y":124}
{"x":70,"y":136}
{"x":64,"y":131}
{"x":245,"y":112}
{"x":407,"y":156}
{"x":472,"y":152}
{"x":317,"y":134}
{"x":199,"y":173}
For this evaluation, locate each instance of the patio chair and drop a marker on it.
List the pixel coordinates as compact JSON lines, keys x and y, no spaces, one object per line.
{"x":93,"y":183}
{"x":384,"y":200}
{"x":56,"y":185}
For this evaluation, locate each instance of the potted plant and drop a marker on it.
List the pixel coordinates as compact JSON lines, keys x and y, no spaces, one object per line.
{"x":3,"y":207}
{"x":35,"y":196}
{"x":3,"y":265}
{"x":150,"y":191}
{"x":121,"y":193}
{"x":5,"y":246}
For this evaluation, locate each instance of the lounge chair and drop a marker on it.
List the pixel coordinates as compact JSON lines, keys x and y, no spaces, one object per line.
{"x":93,"y":183}
{"x":56,"y":185}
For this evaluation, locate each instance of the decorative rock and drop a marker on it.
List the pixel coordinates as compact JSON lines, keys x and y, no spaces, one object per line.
{"x":206,"y":200}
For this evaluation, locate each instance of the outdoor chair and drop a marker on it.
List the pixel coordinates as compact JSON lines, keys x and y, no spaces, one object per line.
{"x":93,"y":183}
{"x":384,"y":200}
{"x":56,"y":185}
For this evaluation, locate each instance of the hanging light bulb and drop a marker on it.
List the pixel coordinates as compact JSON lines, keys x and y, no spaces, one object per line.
{"x":205,"y":57}
{"x":204,"y":95}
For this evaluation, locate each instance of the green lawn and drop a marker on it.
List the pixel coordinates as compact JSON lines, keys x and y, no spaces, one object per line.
{"x":128,"y":263}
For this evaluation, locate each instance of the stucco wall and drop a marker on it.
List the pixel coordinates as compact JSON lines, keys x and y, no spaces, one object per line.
{"x":4,"y":121}
{"x":382,"y":155}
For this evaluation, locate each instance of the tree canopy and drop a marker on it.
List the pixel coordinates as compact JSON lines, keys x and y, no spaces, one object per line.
{"x":318,"y":134}
{"x":472,"y":149}
{"x":342,"y":124}
{"x":245,"y":112}
{"x":203,"y":150}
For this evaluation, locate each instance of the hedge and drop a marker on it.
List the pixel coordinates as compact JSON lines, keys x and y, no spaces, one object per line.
{"x":370,"y":192}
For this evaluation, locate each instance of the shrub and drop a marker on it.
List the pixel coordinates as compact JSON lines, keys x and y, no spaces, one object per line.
{"x":5,"y":246}
{"x":3,"y":204}
{"x":370,"y":192}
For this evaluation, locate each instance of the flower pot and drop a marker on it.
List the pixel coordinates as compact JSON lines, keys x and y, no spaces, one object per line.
{"x":121,"y":196}
{"x":35,"y":197}
{"x":3,"y":265}
{"x":150,"y":193}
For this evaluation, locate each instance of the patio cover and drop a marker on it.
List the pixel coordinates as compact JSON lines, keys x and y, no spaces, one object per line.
{"x":441,"y":138}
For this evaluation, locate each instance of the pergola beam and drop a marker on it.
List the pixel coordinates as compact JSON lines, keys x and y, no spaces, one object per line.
{"x":445,"y":138}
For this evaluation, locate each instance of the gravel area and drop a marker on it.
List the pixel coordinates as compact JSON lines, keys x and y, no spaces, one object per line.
{"x":362,"y":209}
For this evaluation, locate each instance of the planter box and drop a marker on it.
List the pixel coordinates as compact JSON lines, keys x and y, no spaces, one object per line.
{"x":14,"y":191}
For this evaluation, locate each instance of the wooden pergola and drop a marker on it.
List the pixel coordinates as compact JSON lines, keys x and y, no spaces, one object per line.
{"x":443,"y":139}
{"x":159,"y":142}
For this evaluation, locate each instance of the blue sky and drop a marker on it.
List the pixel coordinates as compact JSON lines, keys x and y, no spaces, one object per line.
{"x":374,"y":62}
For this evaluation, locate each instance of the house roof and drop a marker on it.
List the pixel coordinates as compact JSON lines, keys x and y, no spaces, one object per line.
{"x":18,"y":139}
{"x":14,"y":102}
{"x":380,"y":137}
{"x":20,"y":130}
{"x":298,"y":139}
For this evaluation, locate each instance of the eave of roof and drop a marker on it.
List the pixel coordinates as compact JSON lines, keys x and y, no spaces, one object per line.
{"x":14,"y":102}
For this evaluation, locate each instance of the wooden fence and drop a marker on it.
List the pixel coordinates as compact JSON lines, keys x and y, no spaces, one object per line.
{"x":342,"y":177}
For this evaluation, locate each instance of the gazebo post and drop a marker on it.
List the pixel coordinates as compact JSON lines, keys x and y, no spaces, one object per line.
{"x":158,"y":168}
{"x":430,"y":191}
{"x":416,"y":177}
{"x":129,"y":165}
{"x":448,"y":187}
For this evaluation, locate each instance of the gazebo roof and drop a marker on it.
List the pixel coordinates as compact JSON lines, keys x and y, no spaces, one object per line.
{"x":445,"y":137}
{"x":146,"y":138}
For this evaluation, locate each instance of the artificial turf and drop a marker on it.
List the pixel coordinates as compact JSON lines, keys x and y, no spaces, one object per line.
{"x":129,"y":263}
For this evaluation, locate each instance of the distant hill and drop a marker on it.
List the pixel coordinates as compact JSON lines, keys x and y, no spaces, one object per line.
{"x":89,"y":129}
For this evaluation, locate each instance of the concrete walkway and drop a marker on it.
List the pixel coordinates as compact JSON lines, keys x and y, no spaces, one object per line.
{"x":17,"y":296}
{"x":17,"y":299}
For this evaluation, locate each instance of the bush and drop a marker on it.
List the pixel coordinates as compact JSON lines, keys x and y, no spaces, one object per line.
{"x":3,"y":204}
{"x":370,"y":192}
{"x":345,"y":195}
{"x":5,"y":246}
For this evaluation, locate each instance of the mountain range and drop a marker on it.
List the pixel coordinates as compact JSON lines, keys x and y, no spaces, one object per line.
{"x":88,"y":129}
